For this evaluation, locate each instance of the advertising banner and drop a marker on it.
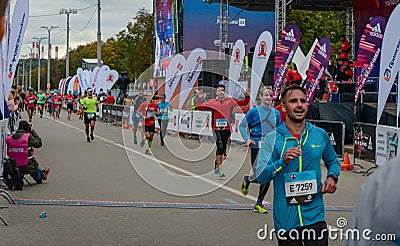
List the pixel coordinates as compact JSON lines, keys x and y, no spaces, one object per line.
{"x":235,"y":133}
{"x":318,"y":63}
{"x":336,"y":133}
{"x":288,"y":42}
{"x":174,"y":74}
{"x":364,"y":141}
{"x":243,"y":24}
{"x":383,"y":148}
{"x":389,"y":66}
{"x":261,"y":55}
{"x":173,"y":120}
{"x":369,"y":51}
{"x":16,"y":38}
{"x":235,"y":67}
{"x":185,"y":121}
{"x":191,"y":72}
{"x":201,"y":123}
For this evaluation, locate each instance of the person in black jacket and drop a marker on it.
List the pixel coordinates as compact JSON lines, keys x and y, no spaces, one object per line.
{"x":123,"y":86}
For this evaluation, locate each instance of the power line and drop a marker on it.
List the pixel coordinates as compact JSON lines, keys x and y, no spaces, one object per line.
{"x":87,"y":23}
{"x":33,"y":16}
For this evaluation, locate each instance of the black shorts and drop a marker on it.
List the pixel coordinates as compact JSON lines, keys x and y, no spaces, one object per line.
{"x":150,"y":128}
{"x":88,"y":117}
{"x":70,"y":106}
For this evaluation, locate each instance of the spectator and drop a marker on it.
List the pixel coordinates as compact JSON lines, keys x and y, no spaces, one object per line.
{"x":123,"y":86}
{"x":345,"y":49}
{"x":110,"y":98}
{"x":20,"y":147}
{"x":293,"y":76}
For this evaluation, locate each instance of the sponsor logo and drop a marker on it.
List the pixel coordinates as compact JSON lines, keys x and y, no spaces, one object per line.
{"x":293,"y":201}
{"x":17,"y":48}
{"x":179,"y":66}
{"x":290,"y":36}
{"x":242,"y":22}
{"x":262,"y":49}
{"x":237,"y":55}
{"x":376,"y":31}
{"x":322,"y":51}
{"x":110,"y":78}
{"x":387,"y":74}
{"x":314,"y":146}
{"x":293,"y":176}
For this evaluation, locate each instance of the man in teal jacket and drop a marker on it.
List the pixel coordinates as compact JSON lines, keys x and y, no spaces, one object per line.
{"x":291,"y":155}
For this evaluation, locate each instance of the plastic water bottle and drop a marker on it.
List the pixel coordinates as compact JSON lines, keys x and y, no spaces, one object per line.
{"x":43,"y":214}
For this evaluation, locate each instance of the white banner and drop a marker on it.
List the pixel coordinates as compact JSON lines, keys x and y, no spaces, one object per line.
{"x":71,"y":84}
{"x":191,"y":72}
{"x":302,"y":67}
{"x":201,"y":123}
{"x":110,"y":80}
{"x":79,"y":74}
{"x":86,"y":78}
{"x":235,"y":135}
{"x":185,"y":121}
{"x":174,"y":74}
{"x":173,"y":120}
{"x":383,"y":134}
{"x":4,"y":132}
{"x":93,"y":78}
{"x":262,"y":52}
{"x":389,"y":66}
{"x":104,"y":70}
{"x":17,"y":31}
{"x":235,"y":67}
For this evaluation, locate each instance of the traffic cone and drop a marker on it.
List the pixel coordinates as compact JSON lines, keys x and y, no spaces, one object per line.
{"x":126,"y":126}
{"x":346,"y":164}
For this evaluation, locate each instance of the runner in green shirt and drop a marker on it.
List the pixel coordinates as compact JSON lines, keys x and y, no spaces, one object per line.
{"x":41,"y":102}
{"x":89,"y":105}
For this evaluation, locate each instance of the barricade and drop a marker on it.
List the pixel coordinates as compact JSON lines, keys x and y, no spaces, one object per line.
{"x":364,"y":144}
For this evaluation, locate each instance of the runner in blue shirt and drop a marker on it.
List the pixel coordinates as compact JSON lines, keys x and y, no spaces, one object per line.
{"x":259,"y":121}
{"x":163,"y":109}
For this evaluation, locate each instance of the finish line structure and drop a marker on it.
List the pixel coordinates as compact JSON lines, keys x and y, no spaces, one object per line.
{"x":178,"y":205}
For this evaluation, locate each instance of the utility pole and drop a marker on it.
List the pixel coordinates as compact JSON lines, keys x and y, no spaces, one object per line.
{"x":30,"y":67}
{"x":39,"y":40}
{"x":98,"y":35}
{"x":49,"y":29}
{"x":67,"y":12}
{"x":24,"y":81}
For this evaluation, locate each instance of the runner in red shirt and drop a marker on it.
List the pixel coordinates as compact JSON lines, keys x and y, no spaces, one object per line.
{"x":55,"y":105}
{"x":149,"y":111}
{"x":69,"y":99}
{"x":221,"y":109}
{"x":30,"y":101}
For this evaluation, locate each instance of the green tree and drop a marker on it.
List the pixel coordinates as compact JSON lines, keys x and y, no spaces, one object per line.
{"x":317,"y":24}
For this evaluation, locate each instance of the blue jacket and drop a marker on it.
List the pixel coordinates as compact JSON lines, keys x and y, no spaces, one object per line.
{"x":315,"y":145}
{"x":256,"y":120}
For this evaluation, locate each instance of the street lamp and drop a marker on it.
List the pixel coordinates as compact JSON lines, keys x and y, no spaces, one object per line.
{"x":30,"y":67}
{"x":24,"y":80}
{"x":39,"y":40}
{"x":67,"y":12}
{"x":49,"y":29}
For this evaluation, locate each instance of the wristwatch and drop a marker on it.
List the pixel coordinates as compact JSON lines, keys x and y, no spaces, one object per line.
{"x":334,"y":177}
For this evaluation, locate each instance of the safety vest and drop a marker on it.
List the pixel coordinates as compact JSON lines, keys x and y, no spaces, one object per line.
{"x":18,"y":149}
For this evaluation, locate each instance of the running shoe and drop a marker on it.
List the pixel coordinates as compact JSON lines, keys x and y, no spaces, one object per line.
{"x":162,"y":143}
{"x":147,"y":152}
{"x":221,"y":173}
{"x":88,"y":139}
{"x":245,"y":185}
{"x":259,"y":208}
{"x":142,"y":143}
{"x":225,"y":156}
{"x":135,"y":140}
{"x":91,"y":137}
{"x":216,"y":167}
{"x":46,"y":172}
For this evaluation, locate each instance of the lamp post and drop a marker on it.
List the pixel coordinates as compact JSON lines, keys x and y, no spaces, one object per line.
{"x":39,"y":40}
{"x":30,"y":67}
{"x":98,"y":35}
{"x":49,"y":29}
{"x":67,"y":12}
{"x":24,"y":81}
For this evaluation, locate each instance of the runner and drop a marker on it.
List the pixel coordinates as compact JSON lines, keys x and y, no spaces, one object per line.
{"x":149,"y":111}
{"x":30,"y":100}
{"x":290,"y":155}
{"x":163,"y":120}
{"x":260,"y":120}
{"x":55,"y":105}
{"x":221,"y":108}
{"x":69,"y":99}
{"x":41,"y":102}
{"x":137,"y":118}
{"x":49,"y":103}
{"x":89,"y":105}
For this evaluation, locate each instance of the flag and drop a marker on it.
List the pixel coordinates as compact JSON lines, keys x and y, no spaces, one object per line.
{"x":235,"y":67}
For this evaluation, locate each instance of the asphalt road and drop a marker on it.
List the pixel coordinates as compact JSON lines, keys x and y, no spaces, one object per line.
{"x":108,"y":192}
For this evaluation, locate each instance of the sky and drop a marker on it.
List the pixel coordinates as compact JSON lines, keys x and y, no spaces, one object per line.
{"x":115,"y":15}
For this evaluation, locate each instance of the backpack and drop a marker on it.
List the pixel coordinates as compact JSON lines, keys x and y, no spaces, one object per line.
{"x":11,"y":175}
